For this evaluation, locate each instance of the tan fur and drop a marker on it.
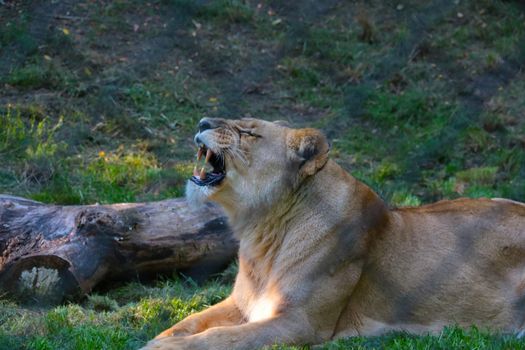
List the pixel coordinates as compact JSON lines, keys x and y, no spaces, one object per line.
{"x":322,"y":257}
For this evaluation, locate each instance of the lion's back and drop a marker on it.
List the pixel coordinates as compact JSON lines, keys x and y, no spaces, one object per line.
{"x":461,"y":260}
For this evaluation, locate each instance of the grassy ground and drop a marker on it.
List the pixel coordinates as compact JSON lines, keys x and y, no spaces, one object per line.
{"x":422,"y":100}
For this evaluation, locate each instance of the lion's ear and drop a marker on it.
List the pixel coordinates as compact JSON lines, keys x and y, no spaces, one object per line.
{"x":310,"y":148}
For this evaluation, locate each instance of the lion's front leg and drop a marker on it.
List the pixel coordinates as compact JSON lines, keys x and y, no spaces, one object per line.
{"x":224,"y":313}
{"x":249,"y":336}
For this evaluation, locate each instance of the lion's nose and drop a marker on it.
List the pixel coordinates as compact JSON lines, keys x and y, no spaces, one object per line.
{"x":205,"y":124}
{"x":197,"y":140}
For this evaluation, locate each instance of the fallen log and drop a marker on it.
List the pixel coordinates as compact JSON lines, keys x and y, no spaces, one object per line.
{"x":49,"y":253}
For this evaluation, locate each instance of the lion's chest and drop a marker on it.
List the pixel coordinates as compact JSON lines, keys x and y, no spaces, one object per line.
{"x":261,"y":308}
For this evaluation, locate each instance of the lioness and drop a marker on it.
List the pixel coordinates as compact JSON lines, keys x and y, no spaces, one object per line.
{"x":321,"y":255}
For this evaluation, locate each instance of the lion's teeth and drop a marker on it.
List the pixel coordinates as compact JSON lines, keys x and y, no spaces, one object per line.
{"x":199,"y":154}
{"x":202,"y":175}
{"x":195,"y":172}
{"x":209,"y":153}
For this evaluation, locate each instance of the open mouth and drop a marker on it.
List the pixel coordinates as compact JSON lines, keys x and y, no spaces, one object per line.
{"x":215,"y":175}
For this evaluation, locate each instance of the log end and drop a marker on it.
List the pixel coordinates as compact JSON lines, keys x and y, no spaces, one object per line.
{"x":40,"y":280}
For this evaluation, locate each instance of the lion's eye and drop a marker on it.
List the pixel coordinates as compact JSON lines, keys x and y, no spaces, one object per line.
{"x":248,"y":133}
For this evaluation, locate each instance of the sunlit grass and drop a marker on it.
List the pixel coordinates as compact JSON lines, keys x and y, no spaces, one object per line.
{"x":125,"y":318}
{"x":36,"y":161}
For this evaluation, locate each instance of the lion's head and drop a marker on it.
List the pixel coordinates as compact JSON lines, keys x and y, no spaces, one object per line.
{"x":251,"y":162}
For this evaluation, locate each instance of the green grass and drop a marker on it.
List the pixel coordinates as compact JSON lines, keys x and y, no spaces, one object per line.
{"x":40,"y":75}
{"x":125,"y":318}
{"x":38,"y":163}
{"x":450,"y":338}
{"x":22,"y":140}
{"x":101,"y":107}
{"x":227,"y":11}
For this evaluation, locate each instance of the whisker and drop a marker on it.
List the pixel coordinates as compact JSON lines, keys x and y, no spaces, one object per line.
{"x":228,"y":146}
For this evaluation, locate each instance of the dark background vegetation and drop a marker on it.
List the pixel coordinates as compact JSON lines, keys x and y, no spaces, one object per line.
{"x":99,"y":100}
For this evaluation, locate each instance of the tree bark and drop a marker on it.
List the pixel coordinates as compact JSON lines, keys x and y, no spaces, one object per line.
{"x":49,"y":253}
